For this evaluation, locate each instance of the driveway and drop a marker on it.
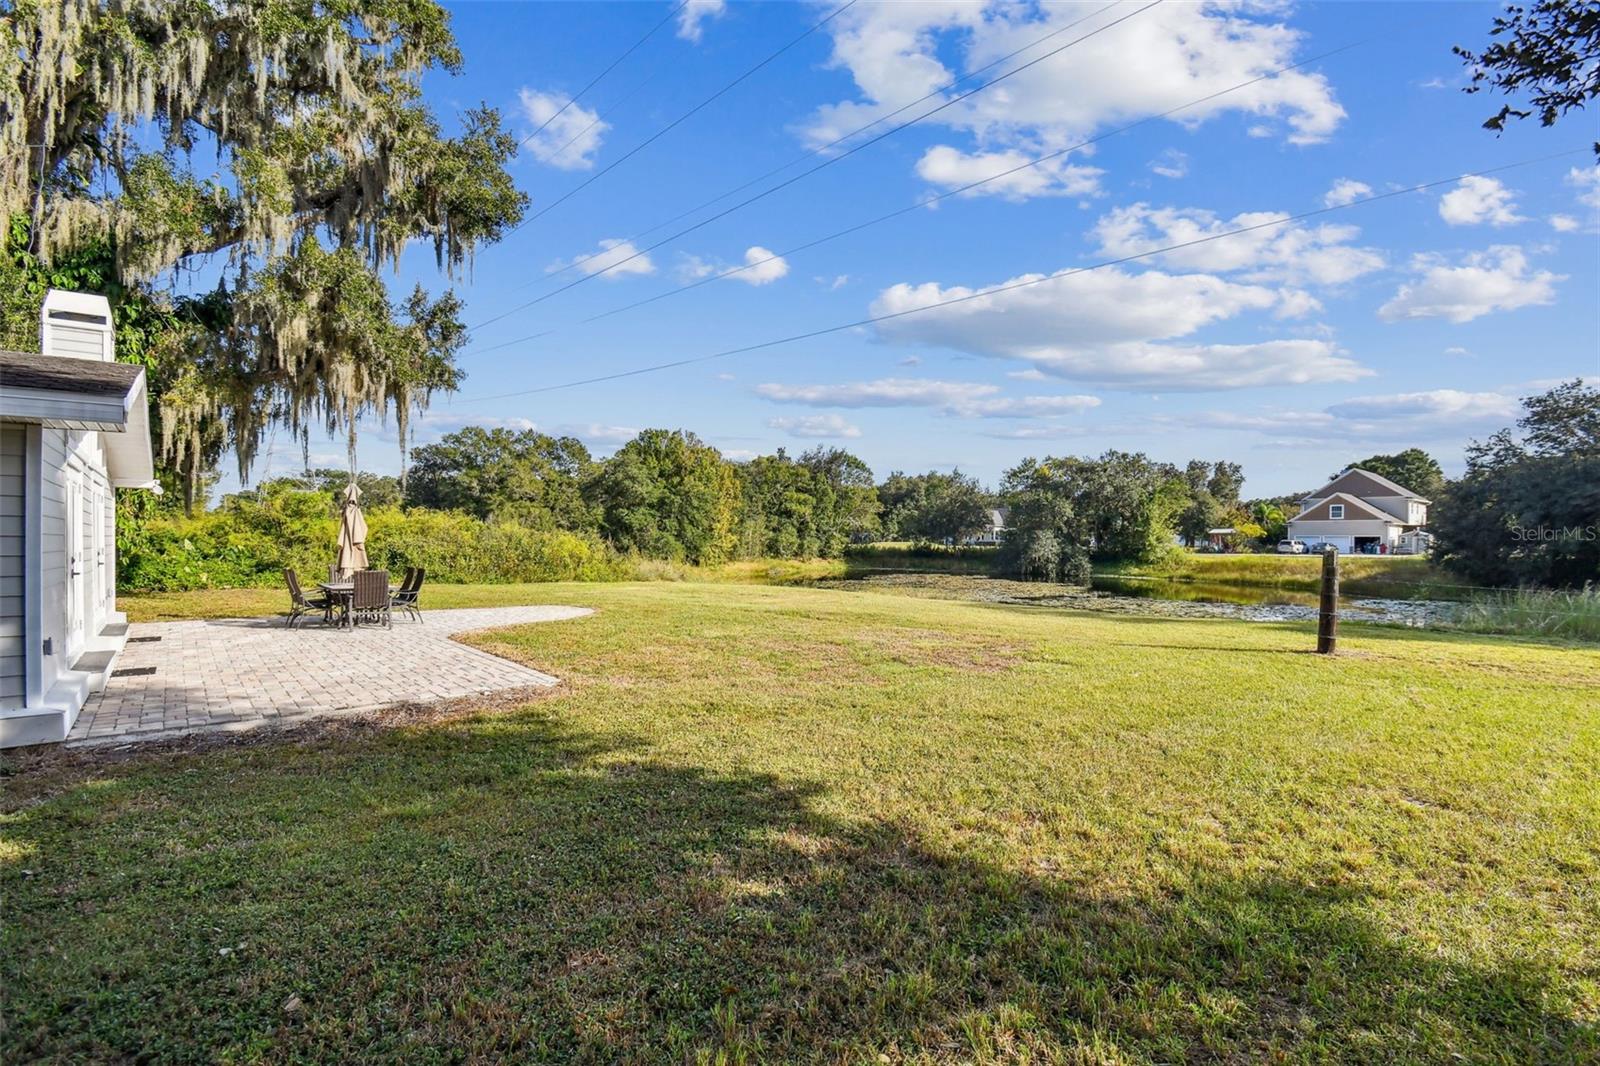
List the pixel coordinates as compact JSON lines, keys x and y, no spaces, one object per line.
{"x":175,"y":678}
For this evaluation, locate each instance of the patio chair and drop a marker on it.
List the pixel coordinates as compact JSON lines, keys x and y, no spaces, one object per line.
{"x":370,"y":600}
{"x":410,"y":590}
{"x":300,"y":604}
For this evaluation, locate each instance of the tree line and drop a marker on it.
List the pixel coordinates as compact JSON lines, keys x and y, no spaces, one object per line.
{"x":1526,"y":511}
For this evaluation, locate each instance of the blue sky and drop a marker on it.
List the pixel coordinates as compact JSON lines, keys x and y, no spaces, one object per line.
{"x":1416,"y":320}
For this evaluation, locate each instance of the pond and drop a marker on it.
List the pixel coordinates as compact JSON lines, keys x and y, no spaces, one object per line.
{"x":1125,"y":595}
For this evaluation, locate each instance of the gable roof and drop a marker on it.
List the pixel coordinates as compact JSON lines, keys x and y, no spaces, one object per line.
{"x":30,"y":370}
{"x":92,"y":395}
{"x":1364,"y":483}
{"x":1350,"y":503}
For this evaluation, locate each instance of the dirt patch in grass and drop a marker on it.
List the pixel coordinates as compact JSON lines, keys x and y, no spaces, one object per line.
{"x":974,"y":652}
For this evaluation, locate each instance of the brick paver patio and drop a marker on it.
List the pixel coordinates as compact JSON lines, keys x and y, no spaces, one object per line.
{"x":245,"y":673}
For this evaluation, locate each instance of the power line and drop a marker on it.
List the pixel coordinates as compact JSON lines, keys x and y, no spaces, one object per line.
{"x":630,"y":153}
{"x":983,"y":293}
{"x":596,"y":79}
{"x":580,"y":260}
{"x":725,"y":212}
{"x":927,"y":201}
{"x":611,"y":109}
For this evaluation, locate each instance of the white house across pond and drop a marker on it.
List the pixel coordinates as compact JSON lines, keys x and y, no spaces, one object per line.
{"x":74,"y":428}
{"x":1360,"y":511}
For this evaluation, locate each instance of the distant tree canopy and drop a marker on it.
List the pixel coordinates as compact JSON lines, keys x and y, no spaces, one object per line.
{"x":1413,"y":469}
{"x":1548,"y":51}
{"x":808,"y":508}
{"x":933,"y":507}
{"x":327,"y":165}
{"x":1527,"y":511}
{"x":1066,"y":511}
{"x":1213,"y":498}
{"x":538,"y":480}
{"x":667,"y":495}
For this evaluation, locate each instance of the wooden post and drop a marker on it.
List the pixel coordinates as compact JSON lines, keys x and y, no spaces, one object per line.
{"x":1328,"y":609}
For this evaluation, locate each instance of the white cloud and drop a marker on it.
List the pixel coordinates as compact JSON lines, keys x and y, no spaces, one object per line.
{"x":1291,"y":252}
{"x":1296,"y":303}
{"x":616,"y":258}
{"x":569,"y":138}
{"x":1587,"y":181}
{"x":1346,"y":191}
{"x":1456,"y":350}
{"x":695,"y":13}
{"x":1103,"y":326}
{"x":1563,"y":223}
{"x":1436,"y":414}
{"x":966,"y":399}
{"x":885,"y":392}
{"x":1030,"y":374}
{"x":833,"y":284}
{"x":442,"y":422}
{"x":1171,"y":164}
{"x":598,"y":433}
{"x":810,"y":426}
{"x":1478,"y":200}
{"x":764,"y":267}
{"x":949,"y":168}
{"x":1495,"y":280}
{"x":1148,"y":64}
{"x":1047,"y":431}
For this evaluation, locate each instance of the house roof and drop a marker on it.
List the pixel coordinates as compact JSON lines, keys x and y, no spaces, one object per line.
{"x":1364,"y":482}
{"x":1351,"y":503}
{"x":91,"y":395}
{"x":30,"y":370}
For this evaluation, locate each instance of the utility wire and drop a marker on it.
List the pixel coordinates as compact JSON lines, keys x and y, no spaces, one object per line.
{"x":725,"y":212}
{"x":820,"y":149}
{"x":611,"y":109}
{"x":997,"y":290}
{"x":927,"y":201}
{"x":630,"y":153}
{"x":596,"y":79}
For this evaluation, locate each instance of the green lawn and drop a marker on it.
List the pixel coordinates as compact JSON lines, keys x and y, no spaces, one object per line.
{"x":766,"y":824}
{"x":1359,"y":575}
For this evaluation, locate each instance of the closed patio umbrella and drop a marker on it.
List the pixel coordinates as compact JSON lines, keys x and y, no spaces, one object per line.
{"x":352,"y":533}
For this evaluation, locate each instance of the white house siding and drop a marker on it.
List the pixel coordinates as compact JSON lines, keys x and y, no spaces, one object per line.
{"x":1353,"y":527}
{"x":13,"y":552}
{"x":52,"y":583}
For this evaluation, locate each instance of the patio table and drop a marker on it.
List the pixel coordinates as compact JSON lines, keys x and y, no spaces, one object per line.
{"x":340,"y":593}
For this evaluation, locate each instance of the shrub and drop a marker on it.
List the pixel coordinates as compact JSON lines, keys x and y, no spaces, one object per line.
{"x":248,"y":541}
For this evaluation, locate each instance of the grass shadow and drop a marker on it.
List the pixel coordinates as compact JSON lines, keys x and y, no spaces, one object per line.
{"x":512,"y":889}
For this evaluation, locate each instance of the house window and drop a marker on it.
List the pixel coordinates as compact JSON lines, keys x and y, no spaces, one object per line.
{"x":1336,"y":510}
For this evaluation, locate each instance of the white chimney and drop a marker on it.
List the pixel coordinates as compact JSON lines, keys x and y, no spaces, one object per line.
{"x":76,"y":325}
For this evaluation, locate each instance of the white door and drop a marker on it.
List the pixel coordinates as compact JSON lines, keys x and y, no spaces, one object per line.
{"x":77,"y":566}
{"x":97,"y":557}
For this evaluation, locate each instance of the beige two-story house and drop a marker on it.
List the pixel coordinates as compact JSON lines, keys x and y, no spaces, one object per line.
{"x":1361,"y":511}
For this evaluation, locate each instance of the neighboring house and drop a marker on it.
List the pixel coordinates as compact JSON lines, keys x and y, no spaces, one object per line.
{"x":74,"y":427}
{"x":992,"y":533}
{"x":1362,"y":511}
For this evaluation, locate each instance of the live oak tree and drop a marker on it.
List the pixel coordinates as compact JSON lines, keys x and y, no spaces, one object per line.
{"x":933,"y":507}
{"x":530,"y":477}
{"x":325,"y":165}
{"x":668,"y":495}
{"x":1550,"y":51}
{"x":1527,"y":510}
{"x":1413,"y":469}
